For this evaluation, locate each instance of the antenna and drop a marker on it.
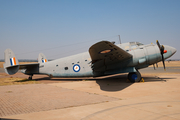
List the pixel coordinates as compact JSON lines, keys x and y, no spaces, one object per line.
{"x":119,"y":39}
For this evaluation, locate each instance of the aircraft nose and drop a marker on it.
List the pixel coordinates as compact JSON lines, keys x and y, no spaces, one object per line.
{"x":173,"y":50}
{"x":169,"y":51}
{"x":169,"y":48}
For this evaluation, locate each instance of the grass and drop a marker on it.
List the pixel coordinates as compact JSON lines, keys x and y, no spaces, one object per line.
{"x":1,"y":64}
{"x":168,"y":64}
{"x":16,"y":81}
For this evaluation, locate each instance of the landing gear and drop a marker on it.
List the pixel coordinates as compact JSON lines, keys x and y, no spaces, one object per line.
{"x":30,"y":77}
{"x":134,"y":76}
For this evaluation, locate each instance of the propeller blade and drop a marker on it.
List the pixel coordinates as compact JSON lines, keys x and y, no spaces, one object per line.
{"x":158,"y":44}
{"x":162,"y":50}
{"x":163,"y":62}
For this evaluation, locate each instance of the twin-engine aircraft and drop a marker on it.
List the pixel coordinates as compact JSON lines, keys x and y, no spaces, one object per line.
{"x":104,"y":58}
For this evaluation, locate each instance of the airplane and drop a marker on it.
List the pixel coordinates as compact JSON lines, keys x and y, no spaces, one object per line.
{"x":103,"y":58}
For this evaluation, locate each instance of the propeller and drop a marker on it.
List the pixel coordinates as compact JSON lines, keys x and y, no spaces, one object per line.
{"x":161,"y":48}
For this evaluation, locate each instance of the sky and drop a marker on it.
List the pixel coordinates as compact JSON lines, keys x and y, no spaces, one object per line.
{"x":60,"y":28}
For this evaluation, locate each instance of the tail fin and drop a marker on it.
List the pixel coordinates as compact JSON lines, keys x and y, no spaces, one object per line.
{"x":11,"y":64}
{"x":42,"y":58}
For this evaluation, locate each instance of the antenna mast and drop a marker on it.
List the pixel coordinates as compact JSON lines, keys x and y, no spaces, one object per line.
{"x":119,"y":39}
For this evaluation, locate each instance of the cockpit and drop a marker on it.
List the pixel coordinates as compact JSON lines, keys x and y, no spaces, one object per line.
{"x":131,"y":46}
{"x":135,"y":43}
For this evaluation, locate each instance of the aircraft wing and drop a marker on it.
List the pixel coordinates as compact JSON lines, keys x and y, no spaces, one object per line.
{"x":28,"y":66}
{"x":105,"y":53}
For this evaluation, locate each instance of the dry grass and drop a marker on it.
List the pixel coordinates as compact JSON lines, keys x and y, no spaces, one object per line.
{"x":16,"y":81}
{"x":169,"y":64}
{"x":1,"y":64}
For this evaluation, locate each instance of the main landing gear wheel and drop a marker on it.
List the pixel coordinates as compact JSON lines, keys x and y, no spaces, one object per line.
{"x":134,"y":76}
{"x":30,"y":77}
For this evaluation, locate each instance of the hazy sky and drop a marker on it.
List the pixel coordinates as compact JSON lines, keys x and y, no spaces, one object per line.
{"x":60,"y":28}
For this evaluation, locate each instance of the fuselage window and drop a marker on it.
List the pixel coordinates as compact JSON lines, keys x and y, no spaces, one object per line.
{"x":85,"y":60}
{"x":66,"y":68}
{"x":56,"y":65}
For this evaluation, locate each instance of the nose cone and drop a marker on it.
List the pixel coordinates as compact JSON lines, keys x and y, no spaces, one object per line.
{"x":170,"y":51}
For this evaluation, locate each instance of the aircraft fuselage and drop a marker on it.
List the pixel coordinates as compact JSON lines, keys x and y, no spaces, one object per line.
{"x":80,"y":65}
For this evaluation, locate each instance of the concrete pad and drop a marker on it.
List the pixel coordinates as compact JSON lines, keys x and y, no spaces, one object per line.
{"x":111,"y":110}
{"x":123,"y":90}
{"x":20,"y":99}
{"x":157,"y":98}
{"x":146,"y":110}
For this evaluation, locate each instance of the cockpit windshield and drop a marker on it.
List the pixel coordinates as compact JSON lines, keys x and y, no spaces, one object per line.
{"x":136,"y":43}
{"x":139,"y":44}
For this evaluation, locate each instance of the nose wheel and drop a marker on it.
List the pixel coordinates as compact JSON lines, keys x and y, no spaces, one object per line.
{"x":134,"y":76}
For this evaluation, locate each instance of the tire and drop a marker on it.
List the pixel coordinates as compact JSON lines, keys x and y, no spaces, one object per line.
{"x":30,"y":78}
{"x":134,"y":77}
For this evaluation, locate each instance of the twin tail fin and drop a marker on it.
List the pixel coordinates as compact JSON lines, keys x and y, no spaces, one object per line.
{"x":42,"y":58}
{"x":11,"y":64}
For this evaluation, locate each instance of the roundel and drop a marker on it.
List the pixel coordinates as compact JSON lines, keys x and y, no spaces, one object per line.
{"x":76,"y":68}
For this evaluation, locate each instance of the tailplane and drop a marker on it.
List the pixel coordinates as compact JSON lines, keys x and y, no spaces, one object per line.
{"x":11,"y":64}
{"x":42,"y":58}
